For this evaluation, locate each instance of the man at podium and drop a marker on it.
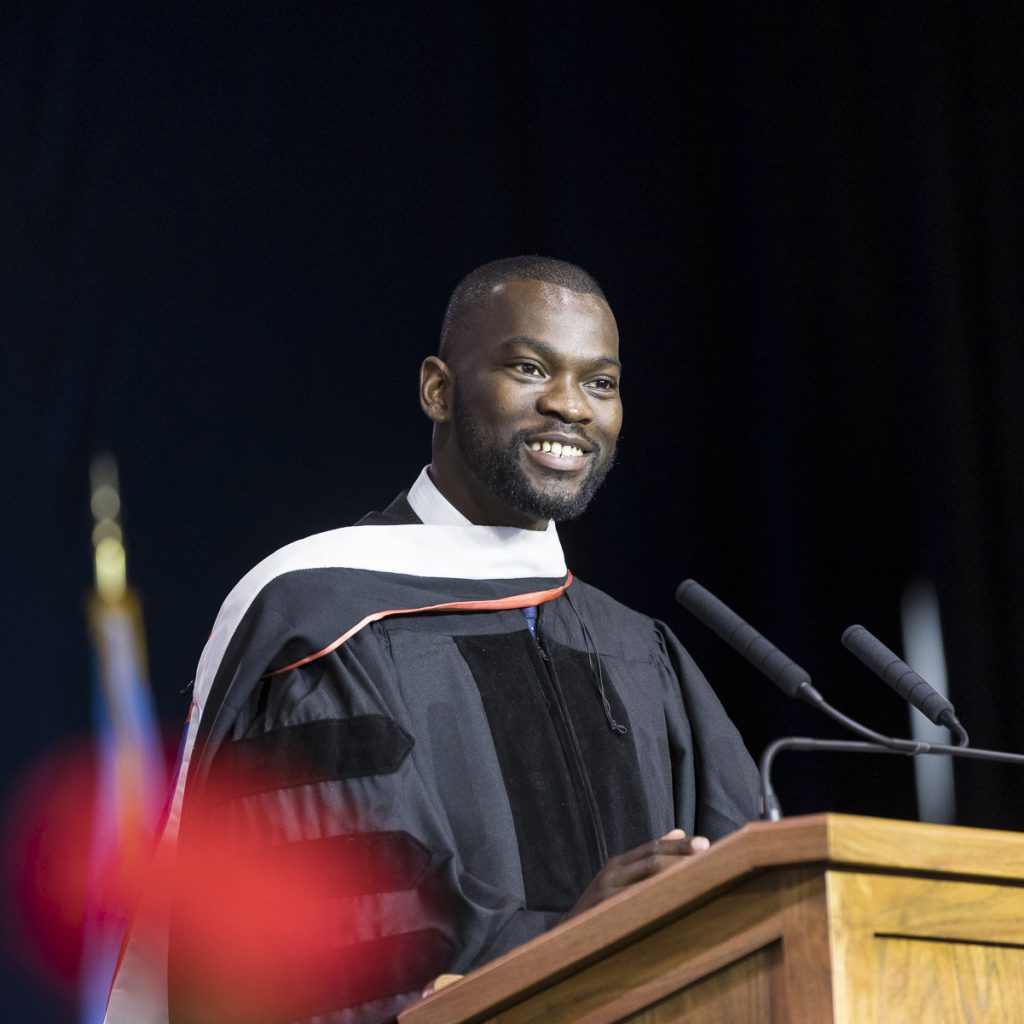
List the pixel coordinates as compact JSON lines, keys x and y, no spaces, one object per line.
{"x":421,"y":740}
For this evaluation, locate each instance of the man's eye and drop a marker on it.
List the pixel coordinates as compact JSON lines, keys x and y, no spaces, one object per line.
{"x":530,"y":369}
{"x":603,"y":384}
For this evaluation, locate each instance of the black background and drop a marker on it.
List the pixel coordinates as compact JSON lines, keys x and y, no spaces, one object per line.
{"x":228,"y":234}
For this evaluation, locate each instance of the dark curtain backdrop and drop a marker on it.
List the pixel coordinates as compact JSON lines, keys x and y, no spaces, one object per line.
{"x":228,"y":233}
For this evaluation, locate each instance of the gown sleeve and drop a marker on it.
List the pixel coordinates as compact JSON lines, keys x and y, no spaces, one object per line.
{"x":715,"y":777}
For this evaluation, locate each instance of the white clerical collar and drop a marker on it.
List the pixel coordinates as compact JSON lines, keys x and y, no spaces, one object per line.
{"x":434,"y":509}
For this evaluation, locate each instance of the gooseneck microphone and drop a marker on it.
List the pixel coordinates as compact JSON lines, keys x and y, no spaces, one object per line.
{"x":791,"y":679}
{"x":771,"y":662}
{"x":904,"y":680}
{"x":796,"y":682}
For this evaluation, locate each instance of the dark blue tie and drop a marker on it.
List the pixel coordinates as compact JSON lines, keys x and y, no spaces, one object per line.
{"x":530,"y":613}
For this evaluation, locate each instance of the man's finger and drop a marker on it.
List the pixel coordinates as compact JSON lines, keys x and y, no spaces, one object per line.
{"x":677,"y":841}
{"x":643,"y":861}
{"x":699,"y":843}
{"x":658,"y":859}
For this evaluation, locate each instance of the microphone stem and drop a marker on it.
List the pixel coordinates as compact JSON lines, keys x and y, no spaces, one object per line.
{"x":771,"y":809}
{"x":814,"y":698}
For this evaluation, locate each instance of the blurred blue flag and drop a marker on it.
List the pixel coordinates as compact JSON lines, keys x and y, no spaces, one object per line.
{"x":130,"y":789}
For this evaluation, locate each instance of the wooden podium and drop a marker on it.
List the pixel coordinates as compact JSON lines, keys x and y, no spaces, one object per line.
{"x":827,"y":918}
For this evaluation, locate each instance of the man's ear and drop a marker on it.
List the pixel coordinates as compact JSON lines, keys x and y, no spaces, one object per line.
{"x":436,"y":389}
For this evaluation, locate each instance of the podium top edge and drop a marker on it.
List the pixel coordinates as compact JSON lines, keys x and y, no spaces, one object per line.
{"x":845,"y":840}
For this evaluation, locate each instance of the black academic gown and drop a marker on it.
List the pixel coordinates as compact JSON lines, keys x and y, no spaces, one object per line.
{"x":469,"y":778}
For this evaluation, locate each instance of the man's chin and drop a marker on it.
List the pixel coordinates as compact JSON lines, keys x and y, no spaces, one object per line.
{"x":560,"y":503}
{"x":521,"y":484}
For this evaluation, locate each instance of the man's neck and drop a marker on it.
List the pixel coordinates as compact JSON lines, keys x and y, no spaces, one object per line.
{"x":434,"y":508}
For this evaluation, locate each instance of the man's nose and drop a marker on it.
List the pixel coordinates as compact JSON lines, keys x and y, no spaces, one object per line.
{"x":565,"y":399}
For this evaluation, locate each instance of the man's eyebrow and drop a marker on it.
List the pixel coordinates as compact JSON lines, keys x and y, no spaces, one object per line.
{"x":545,"y":348}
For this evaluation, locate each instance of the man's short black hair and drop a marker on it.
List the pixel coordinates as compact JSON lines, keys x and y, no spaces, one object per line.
{"x":481,"y":281}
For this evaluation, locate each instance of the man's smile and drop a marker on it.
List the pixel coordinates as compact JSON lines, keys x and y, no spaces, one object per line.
{"x":561,"y":450}
{"x":562,"y":455}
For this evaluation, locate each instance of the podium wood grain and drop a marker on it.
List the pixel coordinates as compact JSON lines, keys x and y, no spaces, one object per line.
{"x":829,"y":918}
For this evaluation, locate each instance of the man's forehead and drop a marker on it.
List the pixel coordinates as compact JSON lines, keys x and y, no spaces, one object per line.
{"x":540,"y":310}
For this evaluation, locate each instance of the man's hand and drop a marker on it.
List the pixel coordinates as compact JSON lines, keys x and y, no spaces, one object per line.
{"x":636,"y":865}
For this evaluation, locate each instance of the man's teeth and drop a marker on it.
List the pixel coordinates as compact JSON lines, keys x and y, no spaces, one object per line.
{"x":557,"y":448}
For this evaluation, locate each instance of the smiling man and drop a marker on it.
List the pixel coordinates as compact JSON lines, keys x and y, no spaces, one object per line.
{"x":450,"y":742}
{"x":525,"y":399}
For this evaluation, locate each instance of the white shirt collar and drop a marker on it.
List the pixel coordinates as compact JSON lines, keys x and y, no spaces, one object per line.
{"x":434,"y":509}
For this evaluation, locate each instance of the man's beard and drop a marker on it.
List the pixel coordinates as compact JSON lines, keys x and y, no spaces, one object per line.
{"x":499,"y":468}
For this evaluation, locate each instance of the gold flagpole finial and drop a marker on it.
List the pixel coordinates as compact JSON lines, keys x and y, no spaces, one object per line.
{"x":107,"y":538}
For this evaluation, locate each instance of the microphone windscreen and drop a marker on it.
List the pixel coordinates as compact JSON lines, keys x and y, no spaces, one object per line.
{"x":896,"y":672}
{"x":742,"y":637}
